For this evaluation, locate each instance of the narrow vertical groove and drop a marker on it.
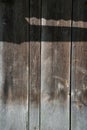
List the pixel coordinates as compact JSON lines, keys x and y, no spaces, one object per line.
{"x":71,"y":64}
{"x":29,"y":84}
{"x":28,"y":61}
{"x":28,"y":81}
{"x":40,"y":93}
{"x":70,"y":85}
{"x":40,"y":65}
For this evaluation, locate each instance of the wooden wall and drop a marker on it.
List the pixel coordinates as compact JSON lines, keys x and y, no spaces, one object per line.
{"x":43,"y":65}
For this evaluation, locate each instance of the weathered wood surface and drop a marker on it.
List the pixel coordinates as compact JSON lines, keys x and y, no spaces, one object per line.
{"x":13,"y":23}
{"x":35,"y":75}
{"x":79,"y":67}
{"x":13,"y":66}
{"x":55,"y":65}
{"x":55,"y":68}
{"x":35,"y":82}
{"x":35,"y":57}
{"x":13,"y":90}
{"x":79,"y":10}
{"x":79,"y":86}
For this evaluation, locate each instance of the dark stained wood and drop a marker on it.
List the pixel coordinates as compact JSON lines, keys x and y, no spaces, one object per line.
{"x":13,"y":23}
{"x":55,"y":68}
{"x":79,"y":86}
{"x":53,"y":9}
{"x":79,"y":10}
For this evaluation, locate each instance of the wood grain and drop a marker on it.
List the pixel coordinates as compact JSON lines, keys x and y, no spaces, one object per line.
{"x":55,"y":63}
{"x":55,"y":66}
{"x":79,"y":86}
{"x":35,"y":76}
{"x":13,"y":93}
{"x":79,"y":69}
{"x":12,"y":20}
{"x":13,"y":65}
{"x":34,"y":85}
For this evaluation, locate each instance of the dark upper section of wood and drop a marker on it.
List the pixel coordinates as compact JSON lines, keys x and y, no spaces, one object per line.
{"x":14,"y":28}
{"x":60,"y":9}
{"x":56,"y":9}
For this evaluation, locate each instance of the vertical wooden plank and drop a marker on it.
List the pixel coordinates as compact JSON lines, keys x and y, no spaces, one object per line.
{"x":79,"y":66}
{"x":34,"y":85}
{"x":13,"y":104}
{"x":55,"y":62}
{"x":79,"y":86}
{"x":13,"y":63}
{"x":34,"y":101}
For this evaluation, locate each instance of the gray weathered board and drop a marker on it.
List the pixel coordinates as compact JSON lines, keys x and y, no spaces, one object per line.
{"x":79,"y":86}
{"x":35,"y":69}
{"x":13,"y":86}
{"x":43,"y":65}
{"x":55,"y":73}
{"x":79,"y":67}
{"x":13,"y":66}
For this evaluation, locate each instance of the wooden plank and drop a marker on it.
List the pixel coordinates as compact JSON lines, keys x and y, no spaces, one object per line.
{"x":34,"y":85}
{"x":79,"y":67}
{"x":13,"y":92}
{"x":34,"y":101}
{"x":79,"y":86}
{"x":13,"y":20}
{"x":55,"y":67}
{"x":13,"y":66}
{"x":55,"y":64}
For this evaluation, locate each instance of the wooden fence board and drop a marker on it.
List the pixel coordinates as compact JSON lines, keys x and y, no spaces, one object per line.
{"x":79,"y":86}
{"x":34,"y":85}
{"x":13,"y":92}
{"x":34,"y":102}
{"x":35,"y":76}
{"x":55,"y":62}
{"x":79,"y":67}
{"x":13,"y":63}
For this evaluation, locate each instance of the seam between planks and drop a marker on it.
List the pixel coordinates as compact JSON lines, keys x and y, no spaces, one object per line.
{"x":28,"y":29}
{"x":40,"y":66}
{"x":71,"y":63}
